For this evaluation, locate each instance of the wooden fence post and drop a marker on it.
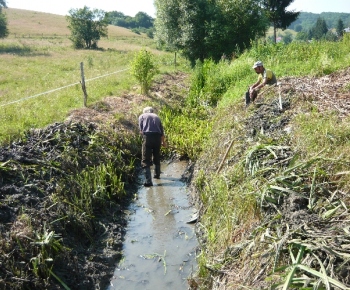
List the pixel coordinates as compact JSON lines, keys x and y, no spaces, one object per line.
{"x":83,"y":83}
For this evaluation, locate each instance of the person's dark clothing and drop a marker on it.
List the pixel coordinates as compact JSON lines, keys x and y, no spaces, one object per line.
{"x":152,"y":131}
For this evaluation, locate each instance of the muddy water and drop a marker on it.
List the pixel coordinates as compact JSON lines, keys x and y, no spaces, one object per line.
{"x":159,"y":248}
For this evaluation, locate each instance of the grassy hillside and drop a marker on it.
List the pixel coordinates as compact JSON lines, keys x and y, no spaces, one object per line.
{"x":40,"y":80}
{"x":23,"y":23}
{"x":272,"y":180}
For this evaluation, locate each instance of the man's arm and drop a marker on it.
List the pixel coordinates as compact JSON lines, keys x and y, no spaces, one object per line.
{"x":254,"y":86}
{"x":163,"y":141}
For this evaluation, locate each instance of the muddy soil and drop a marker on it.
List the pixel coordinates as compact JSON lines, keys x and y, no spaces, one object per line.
{"x":31,"y":174}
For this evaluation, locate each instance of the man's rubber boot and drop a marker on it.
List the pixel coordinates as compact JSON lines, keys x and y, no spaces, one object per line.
{"x":148,"y":177}
{"x":156,"y":171}
{"x":247,"y":98}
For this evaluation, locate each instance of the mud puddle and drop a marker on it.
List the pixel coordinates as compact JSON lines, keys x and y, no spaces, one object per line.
{"x":160,"y":246}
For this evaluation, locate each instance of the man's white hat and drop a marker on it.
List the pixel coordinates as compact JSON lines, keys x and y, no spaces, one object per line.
{"x":258,"y":63}
{"x":148,"y":110}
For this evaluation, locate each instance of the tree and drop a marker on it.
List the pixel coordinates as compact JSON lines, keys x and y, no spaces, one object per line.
{"x":3,"y":21}
{"x":167,"y":24}
{"x":330,"y":36}
{"x":203,"y":29}
{"x":298,"y":28}
{"x":87,"y":27}
{"x":340,"y":27}
{"x":143,"y":20}
{"x":275,"y":11}
{"x":302,"y":36}
{"x":287,"y":38}
{"x":320,"y":29}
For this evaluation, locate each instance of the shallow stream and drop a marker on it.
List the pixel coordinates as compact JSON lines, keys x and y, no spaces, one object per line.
{"x":160,"y":245}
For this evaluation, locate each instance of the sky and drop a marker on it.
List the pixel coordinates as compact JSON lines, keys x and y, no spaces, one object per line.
{"x":131,"y":7}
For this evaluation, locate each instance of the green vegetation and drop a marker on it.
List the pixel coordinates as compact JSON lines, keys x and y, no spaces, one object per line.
{"x":278,"y":15}
{"x":208,"y":29}
{"x":87,"y":27}
{"x":3,"y":21}
{"x":143,"y":68}
{"x":306,"y":20}
{"x":243,"y":220}
{"x":142,"y":22}
{"x":245,"y":180}
{"x":40,"y":80}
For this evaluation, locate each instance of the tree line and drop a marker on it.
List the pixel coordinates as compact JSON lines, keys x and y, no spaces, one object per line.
{"x":141,"y":19}
{"x":198,"y":29}
{"x":142,"y":22}
{"x":320,"y":31}
{"x":201,"y":29}
{"x":4,"y":32}
{"x":307,"y":20}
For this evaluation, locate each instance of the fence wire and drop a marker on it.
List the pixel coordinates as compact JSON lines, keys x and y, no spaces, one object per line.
{"x":64,"y":87}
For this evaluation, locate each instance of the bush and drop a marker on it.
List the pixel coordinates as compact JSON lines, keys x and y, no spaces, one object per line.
{"x":144,"y":69}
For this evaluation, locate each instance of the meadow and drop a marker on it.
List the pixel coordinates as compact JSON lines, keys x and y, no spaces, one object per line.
{"x":41,"y":72}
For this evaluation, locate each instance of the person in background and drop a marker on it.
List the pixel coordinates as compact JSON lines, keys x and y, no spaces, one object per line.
{"x":153,"y":138}
{"x":265,"y":77}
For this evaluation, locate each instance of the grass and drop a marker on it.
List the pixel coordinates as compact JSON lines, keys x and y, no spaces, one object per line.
{"x":244,"y":225}
{"x":32,"y":66}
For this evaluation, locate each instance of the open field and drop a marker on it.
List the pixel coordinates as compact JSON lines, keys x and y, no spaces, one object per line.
{"x":41,"y":72}
{"x":25,"y":22}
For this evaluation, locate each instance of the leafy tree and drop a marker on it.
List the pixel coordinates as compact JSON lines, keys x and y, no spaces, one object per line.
{"x":320,"y":29}
{"x":298,"y":28}
{"x":287,"y":38}
{"x":143,"y":68}
{"x":2,"y":4}
{"x":143,"y":20}
{"x":167,"y":24}
{"x":330,"y":36}
{"x":193,"y":32}
{"x":87,"y":26}
{"x":275,"y":11}
{"x":302,"y":36}
{"x":203,"y":29}
{"x":340,"y":27}
{"x":4,"y":32}
{"x":3,"y":21}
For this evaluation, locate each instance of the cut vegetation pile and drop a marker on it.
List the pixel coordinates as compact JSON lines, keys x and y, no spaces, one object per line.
{"x":282,"y":190}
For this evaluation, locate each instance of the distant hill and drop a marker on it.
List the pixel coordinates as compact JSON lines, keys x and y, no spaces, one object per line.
{"x":27,"y":22}
{"x":307,"y":20}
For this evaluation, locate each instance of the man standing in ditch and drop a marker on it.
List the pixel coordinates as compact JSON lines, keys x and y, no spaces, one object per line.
{"x":152,"y":132}
{"x":265,"y":77}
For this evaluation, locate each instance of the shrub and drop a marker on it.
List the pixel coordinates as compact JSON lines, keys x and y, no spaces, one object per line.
{"x":143,"y":68}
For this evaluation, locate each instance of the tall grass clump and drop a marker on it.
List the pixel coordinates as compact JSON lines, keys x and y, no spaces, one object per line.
{"x":186,"y":129}
{"x":209,"y":81}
